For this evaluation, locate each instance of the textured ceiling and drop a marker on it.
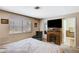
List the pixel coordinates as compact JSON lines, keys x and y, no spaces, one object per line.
{"x":43,"y":12}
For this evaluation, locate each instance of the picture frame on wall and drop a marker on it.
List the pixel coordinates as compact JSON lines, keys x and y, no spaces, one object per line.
{"x":4,"y":21}
{"x":35,"y":24}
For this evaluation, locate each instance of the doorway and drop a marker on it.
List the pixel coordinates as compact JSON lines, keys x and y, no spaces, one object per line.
{"x":69,"y":31}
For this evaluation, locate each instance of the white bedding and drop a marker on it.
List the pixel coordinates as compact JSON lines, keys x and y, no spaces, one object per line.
{"x":31,"y":45}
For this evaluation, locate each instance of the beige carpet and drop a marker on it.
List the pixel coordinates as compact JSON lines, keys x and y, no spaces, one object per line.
{"x":70,"y":49}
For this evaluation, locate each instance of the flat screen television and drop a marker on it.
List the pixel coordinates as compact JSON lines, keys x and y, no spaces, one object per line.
{"x":56,"y":23}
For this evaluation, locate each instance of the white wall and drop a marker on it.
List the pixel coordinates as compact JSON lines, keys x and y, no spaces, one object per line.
{"x":43,"y":27}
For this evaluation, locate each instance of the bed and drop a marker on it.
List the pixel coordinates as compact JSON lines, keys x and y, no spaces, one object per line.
{"x":30,"y":45}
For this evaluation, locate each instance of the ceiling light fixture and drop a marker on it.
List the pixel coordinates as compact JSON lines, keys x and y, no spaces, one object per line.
{"x":37,"y":7}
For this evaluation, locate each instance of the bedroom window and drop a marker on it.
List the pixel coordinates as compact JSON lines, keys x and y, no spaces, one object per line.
{"x":20,"y":26}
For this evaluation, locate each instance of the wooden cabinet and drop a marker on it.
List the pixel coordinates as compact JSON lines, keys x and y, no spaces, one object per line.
{"x":54,"y":36}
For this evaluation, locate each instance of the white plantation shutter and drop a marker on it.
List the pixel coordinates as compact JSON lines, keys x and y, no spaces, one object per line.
{"x":26,"y":26}
{"x":20,"y":26}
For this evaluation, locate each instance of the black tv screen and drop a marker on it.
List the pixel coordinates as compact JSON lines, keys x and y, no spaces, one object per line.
{"x":56,"y":23}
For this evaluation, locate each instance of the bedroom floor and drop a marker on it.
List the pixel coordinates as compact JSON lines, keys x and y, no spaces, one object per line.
{"x":66,"y":49}
{"x":70,"y":49}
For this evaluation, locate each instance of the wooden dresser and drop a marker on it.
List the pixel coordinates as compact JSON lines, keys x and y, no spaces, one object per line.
{"x":54,"y":36}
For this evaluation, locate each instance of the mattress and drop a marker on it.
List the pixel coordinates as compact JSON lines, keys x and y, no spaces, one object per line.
{"x":30,"y":45}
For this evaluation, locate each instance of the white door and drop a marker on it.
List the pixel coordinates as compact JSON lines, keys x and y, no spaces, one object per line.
{"x":69,"y":26}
